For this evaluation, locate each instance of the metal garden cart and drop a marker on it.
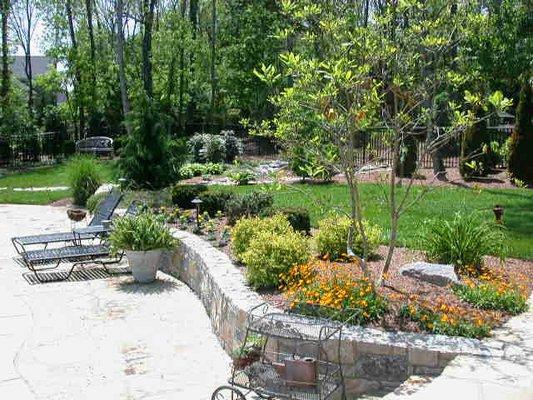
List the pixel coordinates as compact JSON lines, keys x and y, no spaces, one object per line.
{"x":298,"y":358}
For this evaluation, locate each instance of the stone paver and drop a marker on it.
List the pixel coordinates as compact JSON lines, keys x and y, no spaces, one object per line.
{"x":99,"y":339}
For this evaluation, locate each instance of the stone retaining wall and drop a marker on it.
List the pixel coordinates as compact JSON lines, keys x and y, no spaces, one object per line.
{"x":372,"y":359}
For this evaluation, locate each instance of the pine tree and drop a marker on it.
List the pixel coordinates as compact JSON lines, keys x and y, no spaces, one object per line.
{"x":146,"y":158}
{"x":521,"y":149}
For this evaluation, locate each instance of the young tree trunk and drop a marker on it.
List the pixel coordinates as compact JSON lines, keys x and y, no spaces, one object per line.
{"x":119,"y":11}
{"x":29,"y":75}
{"x":89,"y":10}
{"x":4,"y":89}
{"x":28,"y":66}
{"x":213,"y":60}
{"x":394,"y":215}
{"x":90,"y":29}
{"x":356,"y":217}
{"x":193,"y":18}
{"x":148,"y":10}
{"x":24,"y":24}
{"x":347,"y":157}
{"x":77,"y":72}
{"x":366,"y":12}
{"x":182,"y":73}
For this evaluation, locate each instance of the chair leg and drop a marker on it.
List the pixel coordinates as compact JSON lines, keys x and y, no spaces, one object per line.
{"x":115,"y":261}
{"x":35,"y":271}
{"x":19,"y":247}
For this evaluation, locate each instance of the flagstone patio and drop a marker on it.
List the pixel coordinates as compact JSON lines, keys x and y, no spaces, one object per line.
{"x":102,"y":338}
{"x":114,"y":339}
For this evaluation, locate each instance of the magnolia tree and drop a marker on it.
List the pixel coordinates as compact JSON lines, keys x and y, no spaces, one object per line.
{"x":393,"y":77}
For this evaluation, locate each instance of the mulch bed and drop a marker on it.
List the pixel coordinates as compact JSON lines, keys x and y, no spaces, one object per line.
{"x":398,"y":289}
{"x":499,"y":179}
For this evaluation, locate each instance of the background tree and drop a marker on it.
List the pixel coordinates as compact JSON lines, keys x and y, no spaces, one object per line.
{"x":521,"y":149}
{"x":406,"y":164}
{"x":4,"y":88}
{"x":148,"y":10}
{"x":25,"y":19}
{"x":119,"y":24}
{"x":146,"y":160}
{"x":498,"y":46}
{"x":474,"y":161}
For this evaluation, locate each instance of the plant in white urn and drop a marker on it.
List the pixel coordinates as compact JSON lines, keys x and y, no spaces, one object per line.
{"x":143,"y":238}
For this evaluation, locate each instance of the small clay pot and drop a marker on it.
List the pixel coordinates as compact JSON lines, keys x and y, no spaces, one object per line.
{"x":242,"y":362}
{"x":76,"y":214}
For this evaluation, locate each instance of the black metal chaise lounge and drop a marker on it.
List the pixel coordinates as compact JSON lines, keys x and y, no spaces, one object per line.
{"x":94,"y":231}
{"x":104,"y":212}
{"x":78,"y":255}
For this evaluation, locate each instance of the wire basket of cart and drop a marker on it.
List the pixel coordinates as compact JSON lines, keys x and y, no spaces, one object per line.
{"x":286,"y":355}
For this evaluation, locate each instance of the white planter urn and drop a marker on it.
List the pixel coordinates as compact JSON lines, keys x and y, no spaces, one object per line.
{"x":144,"y":264}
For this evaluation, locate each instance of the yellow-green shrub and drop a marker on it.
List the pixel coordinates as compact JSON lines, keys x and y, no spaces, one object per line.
{"x":247,"y":228}
{"x":270,"y":254}
{"x":332,"y":237}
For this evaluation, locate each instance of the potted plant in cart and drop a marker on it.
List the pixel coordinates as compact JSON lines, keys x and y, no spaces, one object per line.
{"x":248,"y":353}
{"x":143,"y":238}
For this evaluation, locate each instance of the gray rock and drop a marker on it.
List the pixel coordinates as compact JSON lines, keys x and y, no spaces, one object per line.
{"x":438,"y":274}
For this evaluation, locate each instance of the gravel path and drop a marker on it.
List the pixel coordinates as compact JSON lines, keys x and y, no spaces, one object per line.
{"x":99,"y":339}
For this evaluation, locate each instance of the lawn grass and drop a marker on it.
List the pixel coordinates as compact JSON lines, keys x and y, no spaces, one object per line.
{"x":54,"y":175}
{"x":437,"y":203}
{"x":320,"y":199}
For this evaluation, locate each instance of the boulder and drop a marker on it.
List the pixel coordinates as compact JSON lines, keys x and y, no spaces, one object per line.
{"x":438,"y":274}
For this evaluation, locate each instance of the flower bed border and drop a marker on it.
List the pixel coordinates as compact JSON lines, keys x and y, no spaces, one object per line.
{"x":372,"y":359}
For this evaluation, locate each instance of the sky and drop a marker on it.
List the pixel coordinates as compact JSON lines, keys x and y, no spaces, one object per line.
{"x":37,"y":42}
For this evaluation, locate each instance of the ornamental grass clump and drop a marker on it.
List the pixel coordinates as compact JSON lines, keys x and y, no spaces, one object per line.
{"x":85,"y":177}
{"x":332,"y":237}
{"x":336,"y":289}
{"x":94,"y":201}
{"x":142,"y":232}
{"x":463,"y":241}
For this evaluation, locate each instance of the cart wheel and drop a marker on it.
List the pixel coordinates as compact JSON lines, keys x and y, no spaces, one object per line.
{"x":227,"y":393}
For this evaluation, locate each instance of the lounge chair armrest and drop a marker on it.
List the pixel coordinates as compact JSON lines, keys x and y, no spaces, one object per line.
{"x":90,"y":230}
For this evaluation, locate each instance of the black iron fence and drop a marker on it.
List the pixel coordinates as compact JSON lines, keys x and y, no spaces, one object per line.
{"x":49,"y":146}
{"x":41,"y":147}
{"x":374,"y":149}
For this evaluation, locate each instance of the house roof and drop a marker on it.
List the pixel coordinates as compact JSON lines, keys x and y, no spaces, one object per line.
{"x":39,"y":64}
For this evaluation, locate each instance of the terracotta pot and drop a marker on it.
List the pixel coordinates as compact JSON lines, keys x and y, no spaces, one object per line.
{"x":144,"y":264}
{"x":76,"y":214}
{"x":244,"y":361}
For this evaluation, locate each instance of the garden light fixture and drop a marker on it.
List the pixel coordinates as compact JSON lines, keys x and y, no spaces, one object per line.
{"x":196,"y":201}
{"x":498,"y":213}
